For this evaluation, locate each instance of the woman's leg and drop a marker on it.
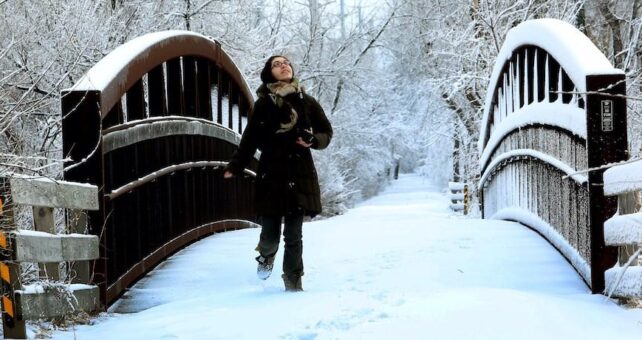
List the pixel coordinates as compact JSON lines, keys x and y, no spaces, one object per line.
{"x":270,"y":235}
{"x":292,"y":258}
{"x":268,"y":245}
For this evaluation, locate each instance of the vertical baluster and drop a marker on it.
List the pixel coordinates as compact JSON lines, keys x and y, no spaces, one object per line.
{"x":190,"y":90}
{"x":204,"y":86}
{"x":536,"y":77}
{"x":547,"y":81}
{"x":157,"y":97}
{"x":219,"y":99}
{"x":242,"y":112}
{"x":516,"y":85}
{"x":230,"y":104}
{"x":527,"y":80}
{"x":136,"y":102}
{"x":175,"y":103}
{"x":560,"y":87}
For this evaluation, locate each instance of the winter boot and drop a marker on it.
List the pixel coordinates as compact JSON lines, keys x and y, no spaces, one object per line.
{"x":292,"y":284}
{"x":265,"y":266}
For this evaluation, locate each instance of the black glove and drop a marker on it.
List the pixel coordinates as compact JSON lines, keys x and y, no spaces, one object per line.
{"x":307,"y":136}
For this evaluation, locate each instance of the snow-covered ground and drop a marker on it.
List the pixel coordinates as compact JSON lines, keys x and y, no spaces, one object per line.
{"x":398,"y":266}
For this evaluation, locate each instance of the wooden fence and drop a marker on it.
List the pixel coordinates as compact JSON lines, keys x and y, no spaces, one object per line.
{"x":624,"y":230}
{"x":458,"y":193}
{"x":57,"y":296}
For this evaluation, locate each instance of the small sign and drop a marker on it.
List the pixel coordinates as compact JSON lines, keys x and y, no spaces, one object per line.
{"x":607,"y":115}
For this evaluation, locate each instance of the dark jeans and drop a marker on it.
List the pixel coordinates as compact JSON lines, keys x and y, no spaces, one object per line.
{"x":292,"y":236}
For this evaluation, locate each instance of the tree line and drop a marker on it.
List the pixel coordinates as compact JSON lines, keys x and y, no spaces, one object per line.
{"x":400,"y":80}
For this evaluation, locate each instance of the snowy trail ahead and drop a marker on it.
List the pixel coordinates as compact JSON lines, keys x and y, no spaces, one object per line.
{"x":398,"y":266}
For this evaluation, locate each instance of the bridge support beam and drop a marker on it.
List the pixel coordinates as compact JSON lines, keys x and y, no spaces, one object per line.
{"x":82,"y":144}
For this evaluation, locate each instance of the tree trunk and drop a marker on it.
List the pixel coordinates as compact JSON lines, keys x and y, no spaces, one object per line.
{"x":613,"y":22}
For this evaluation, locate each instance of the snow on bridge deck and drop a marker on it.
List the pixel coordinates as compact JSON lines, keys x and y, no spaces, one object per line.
{"x":398,"y":266}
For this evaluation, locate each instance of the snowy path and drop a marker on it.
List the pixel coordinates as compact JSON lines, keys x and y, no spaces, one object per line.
{"x":398,"y":266}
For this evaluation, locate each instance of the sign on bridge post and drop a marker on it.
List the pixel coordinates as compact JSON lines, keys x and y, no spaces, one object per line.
{"x":606,"y":143}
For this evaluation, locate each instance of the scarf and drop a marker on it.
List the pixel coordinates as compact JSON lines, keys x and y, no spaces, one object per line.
{"x":277,"y":91}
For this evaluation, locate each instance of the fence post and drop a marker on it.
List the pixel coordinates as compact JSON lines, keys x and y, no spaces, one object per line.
{"x":606,"y":142}
{"x":628,"y":203}
{"x":82,"y":143}
{"x":466,"y":199}
{"x":43,"y":220}
{"x":13,"y":326}
{"x":80,"y":270}
{"x":458,"y":193}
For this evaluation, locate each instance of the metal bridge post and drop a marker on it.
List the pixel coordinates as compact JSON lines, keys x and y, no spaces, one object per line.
{"x":606,"y":143}
{"x":82,"y":144}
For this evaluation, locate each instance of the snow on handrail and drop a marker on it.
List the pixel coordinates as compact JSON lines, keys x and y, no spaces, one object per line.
{"x":622,"y":230}
{"x":573,"y":120}
{"x":579,"y":178}
{"x":623,"y":178}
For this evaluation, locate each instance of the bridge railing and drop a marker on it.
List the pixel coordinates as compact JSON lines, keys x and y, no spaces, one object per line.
{"x":553,"y":109}
{"x":50,"y":295}
{"x":459,"y":196}
{"x":151,"y":125}
{"x":624,"y":230}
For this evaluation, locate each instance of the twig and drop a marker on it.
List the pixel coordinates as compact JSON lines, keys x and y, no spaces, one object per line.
{"x":605,"y":166}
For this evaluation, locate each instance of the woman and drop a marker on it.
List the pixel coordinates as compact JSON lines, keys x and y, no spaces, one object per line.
{"x":285,"y":124}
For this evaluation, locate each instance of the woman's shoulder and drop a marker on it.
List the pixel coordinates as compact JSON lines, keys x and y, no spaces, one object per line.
{"x":308,"y":99}
{"x":262,"y":103}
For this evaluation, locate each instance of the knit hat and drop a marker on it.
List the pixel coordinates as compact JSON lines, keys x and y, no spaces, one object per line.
{"x":266,"y":73}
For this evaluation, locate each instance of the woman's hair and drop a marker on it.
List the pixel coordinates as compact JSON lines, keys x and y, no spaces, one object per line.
{"x":266,"y":73}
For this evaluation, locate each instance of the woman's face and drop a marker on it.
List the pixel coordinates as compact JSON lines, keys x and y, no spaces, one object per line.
{"x":281,"y":69}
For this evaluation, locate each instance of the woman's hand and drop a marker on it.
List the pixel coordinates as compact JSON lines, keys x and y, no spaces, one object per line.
{"x":228,"y":174}
{"x":303,"y":143}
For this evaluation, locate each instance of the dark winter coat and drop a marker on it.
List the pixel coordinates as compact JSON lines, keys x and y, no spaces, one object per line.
{"x":286,"y":176}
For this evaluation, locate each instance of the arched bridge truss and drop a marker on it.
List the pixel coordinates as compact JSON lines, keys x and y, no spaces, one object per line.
{"x":554,"y":109}
{"x":151,"y":125}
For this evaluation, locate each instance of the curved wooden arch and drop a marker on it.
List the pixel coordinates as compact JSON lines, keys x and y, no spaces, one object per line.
{"x":115,"y":74}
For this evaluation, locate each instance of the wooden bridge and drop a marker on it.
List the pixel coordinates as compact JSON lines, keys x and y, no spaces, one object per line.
{"x":151,"y":125}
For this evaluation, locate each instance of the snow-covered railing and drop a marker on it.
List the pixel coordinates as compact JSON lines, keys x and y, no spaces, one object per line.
{"x":624,"y":230}
{"x":151,"y":125}
{"x":51,"y":298}
{"x":458,"y":194}
{"x":554,"y":108}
